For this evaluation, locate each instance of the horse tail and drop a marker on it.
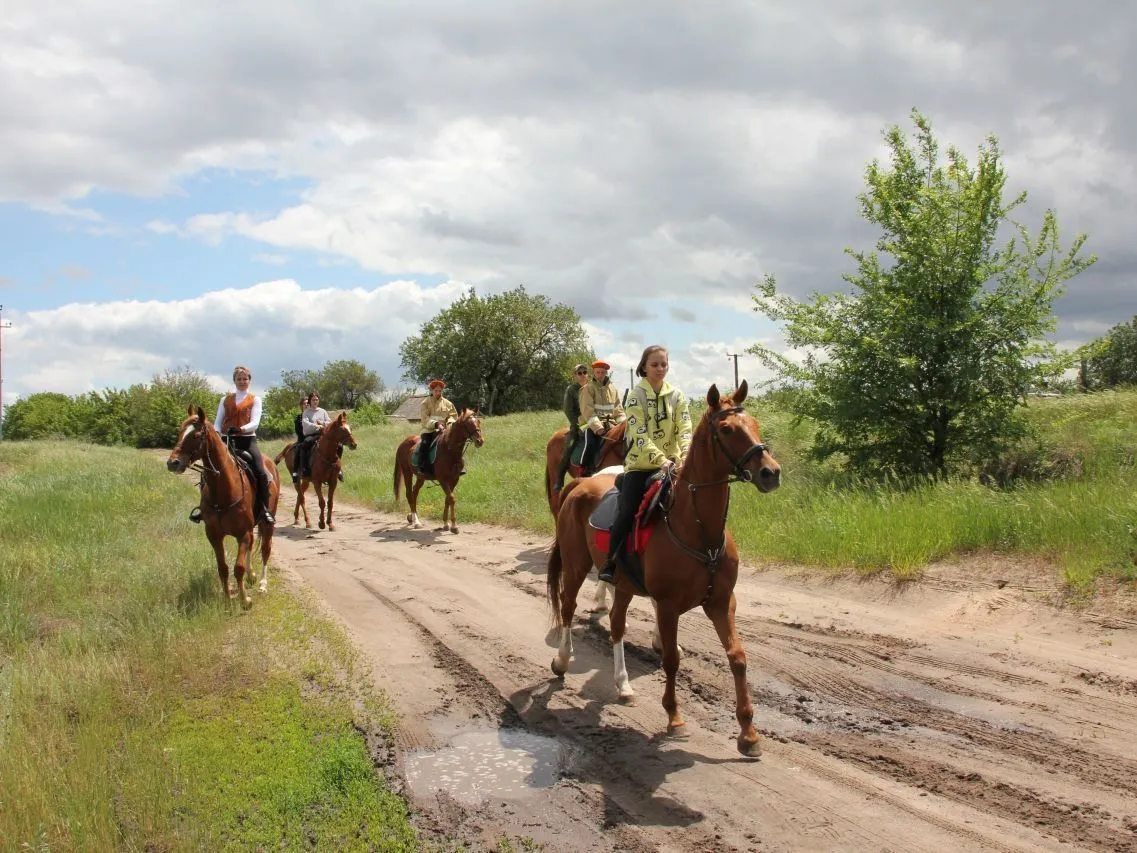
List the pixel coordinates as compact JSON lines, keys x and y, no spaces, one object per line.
{"x":284,"y":452}
{"x":553,"y":583}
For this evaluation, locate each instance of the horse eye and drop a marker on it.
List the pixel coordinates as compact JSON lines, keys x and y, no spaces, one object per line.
{"x":727,"y":428}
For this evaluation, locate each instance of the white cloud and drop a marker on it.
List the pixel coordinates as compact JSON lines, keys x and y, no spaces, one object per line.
{"x":271,"y":327}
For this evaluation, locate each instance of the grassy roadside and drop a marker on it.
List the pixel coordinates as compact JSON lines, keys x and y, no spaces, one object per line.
{"x":137,"y":712}
{"x":1081,"y":523}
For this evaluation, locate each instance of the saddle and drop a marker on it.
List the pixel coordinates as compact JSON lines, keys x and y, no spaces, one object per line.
{"x":602,"y":518}
{"x":431,"y":456}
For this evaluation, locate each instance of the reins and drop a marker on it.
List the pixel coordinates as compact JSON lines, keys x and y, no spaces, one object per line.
{"x":710,"y":556}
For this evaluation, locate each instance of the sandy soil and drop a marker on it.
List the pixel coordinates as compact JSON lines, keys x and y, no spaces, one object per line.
{"x":964,"y":712}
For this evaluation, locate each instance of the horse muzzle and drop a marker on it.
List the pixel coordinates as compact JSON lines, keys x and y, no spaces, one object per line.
{"x":768,"y":479}
{"x":175,"y":465}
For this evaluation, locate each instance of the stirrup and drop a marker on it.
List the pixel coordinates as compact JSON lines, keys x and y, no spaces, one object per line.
{"x":608,"y":573}
{"x":195,"y":515}
{"x":339,"y":475}
{"x":268,"y":517}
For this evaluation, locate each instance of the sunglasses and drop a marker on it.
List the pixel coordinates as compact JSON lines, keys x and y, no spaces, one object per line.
{"x":582,"y":373}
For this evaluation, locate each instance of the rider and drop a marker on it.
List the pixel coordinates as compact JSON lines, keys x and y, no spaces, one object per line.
{"x":571,"y":409}
{"x":600,"y":410}
{"x":436,"y":413}
{"x":239,"y":415}
{"x":658,"y":438}
{"x":315,"y":419}
{"x":298,"y":426}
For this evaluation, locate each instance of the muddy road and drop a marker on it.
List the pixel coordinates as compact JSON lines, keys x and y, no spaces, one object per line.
{"x":961,"y":713}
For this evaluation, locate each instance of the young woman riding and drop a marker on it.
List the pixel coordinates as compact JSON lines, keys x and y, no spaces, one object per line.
{"x":238,"y":416}
{"x":658,"y":437}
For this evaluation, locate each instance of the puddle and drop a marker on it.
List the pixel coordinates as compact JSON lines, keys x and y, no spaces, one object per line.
{"x":476,"y":765}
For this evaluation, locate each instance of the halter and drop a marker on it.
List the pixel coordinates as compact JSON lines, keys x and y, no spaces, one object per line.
{"x":712,"y":556}
{"x":213,"y":469}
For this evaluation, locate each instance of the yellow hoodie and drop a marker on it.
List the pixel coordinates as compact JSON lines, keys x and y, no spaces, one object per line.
{"x":659,"y":427}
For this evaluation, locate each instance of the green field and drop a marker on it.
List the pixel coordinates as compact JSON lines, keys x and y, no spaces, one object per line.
{"x":139,"y":712}
{"x":1076,"y":516}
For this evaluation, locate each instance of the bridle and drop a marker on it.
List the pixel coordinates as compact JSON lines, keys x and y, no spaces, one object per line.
{"x":206,"y":465}
{"x":711,"y":556}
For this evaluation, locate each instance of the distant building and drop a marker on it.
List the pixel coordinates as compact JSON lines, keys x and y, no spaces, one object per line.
{"x":409,"y":409}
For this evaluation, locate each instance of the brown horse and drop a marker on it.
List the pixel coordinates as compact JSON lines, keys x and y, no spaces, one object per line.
{"x":228,"y":496}
{"x":694,"y":562}
{"x":612,"y":453}
{"x":324,"y":468}
{"x":447,"y":465}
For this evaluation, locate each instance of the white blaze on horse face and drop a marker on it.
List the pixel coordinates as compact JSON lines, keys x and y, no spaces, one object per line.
{"x":189,"y":430}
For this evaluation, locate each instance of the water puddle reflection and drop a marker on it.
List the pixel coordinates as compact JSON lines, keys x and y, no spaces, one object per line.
{"x":497,"y":763}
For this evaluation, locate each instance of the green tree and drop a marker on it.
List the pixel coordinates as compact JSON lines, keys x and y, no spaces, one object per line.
{"x":347,"y":384}
{"x":1112,"y":359}
{"x":508,"y":352}
{"x":43,"y":415}
{"x":928,"y":360}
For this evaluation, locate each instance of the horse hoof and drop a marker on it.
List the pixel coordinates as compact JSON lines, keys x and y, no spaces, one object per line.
{"x":559,"y":668}
{"x":417,"y":525}
{"x":750,"y":749}
{"x":331,"y":526}
{"x":678,"y":732}
{"x":410,"y":519}
{"x":600,"y":609}
{"x":453,"y":529}
{"x":321,"y":525}
{"x":246,"y":603}
{"x":263,"y":585}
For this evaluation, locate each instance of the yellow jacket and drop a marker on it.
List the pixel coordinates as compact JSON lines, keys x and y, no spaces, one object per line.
{"x":600,"y":405}
{"x":659,"y":427}
{"x":441,"y":410}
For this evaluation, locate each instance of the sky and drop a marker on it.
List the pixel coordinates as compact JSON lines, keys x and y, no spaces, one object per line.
{"x":291,"y":183}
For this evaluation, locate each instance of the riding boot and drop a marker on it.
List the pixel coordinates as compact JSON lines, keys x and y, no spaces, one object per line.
{"x":262,"y":499}
{"x":195,"y":515}
{"x":608,"y":572}
{"x":297,"y":459}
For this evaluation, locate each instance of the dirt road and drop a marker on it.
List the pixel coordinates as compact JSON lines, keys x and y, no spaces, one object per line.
{"x":947,"y":715}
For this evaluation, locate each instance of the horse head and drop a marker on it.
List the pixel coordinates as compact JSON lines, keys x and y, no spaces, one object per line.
{"x":470,"y":427}
{"x":341,"y":432}
{"x":191,"y":441}
{"x":737,"y":434}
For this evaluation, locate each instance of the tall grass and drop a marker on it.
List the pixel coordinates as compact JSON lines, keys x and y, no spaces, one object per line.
{"x":1080,"y":523}
{"x":138,"y":712}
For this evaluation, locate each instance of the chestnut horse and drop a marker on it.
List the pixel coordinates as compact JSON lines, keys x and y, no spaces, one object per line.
{"x":447,"y":465}
{"x":692,"y":562}
{"x":228,"y":496}
{"x":324,"y":468}
{"x":612,"y":453}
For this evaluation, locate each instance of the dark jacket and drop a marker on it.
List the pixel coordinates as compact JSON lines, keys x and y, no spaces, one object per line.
{"x":571,"y":406}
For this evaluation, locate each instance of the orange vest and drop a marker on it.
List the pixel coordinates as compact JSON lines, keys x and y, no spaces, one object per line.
{"x":237,"y":414}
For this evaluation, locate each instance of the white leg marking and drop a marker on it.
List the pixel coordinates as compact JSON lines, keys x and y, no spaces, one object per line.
{"x":600,"y":600}
{"x":656,"y":641}
{"x":623,"y":686}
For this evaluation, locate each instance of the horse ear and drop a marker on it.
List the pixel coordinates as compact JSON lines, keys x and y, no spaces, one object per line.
{"x":740,"y":394}
{"x":343,"y":417}
{"x":191,"y":410}
{"x":200,"y":414}
{"x":713,"y":397}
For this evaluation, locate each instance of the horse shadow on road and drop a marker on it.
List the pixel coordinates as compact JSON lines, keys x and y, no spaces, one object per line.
{"x":628,"y":765}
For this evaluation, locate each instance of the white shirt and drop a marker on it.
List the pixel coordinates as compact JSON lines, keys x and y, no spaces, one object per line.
{"x":251,"y":427}
{"x":313,"y":418}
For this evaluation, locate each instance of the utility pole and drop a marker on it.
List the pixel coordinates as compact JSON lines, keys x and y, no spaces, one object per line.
{"x":734,"y":355}
{"x":3,"y":326}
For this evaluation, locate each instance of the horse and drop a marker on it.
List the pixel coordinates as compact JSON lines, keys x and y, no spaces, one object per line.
{"x":324,"y":467}
{"x":695,"y":564}
{"x":447,"y":465}
{"x":612,"y":453}
{"x":228,"y":499}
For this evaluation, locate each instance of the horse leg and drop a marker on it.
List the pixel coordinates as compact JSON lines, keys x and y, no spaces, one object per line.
{"x":574,"y":567}
{"x":218,"y":544}
{"x":331,"y":493}
{"x":619,"y":622}
{"x":452,"y":504}
{"x":600,"y":603}
{"x":266,"y":531}
{"x":723,"y":619}
{"x":667,"y":622}
{"x":244,"y":550}
{"x":320,"y":497}
{"x":656,"y":641}
{"x":412,"y":499}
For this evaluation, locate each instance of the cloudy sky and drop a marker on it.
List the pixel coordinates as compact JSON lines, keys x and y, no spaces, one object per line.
{"x":283,"y":184}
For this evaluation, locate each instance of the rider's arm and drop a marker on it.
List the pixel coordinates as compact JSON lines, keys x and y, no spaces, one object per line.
{"x":424,"y":413}
{"x":618,"y":413}
{"x":570,"y":405}
{"x":251,"y":426}
{"x":588,"y":408}
{"x":682,"y":425}
{"x":218,"y":422}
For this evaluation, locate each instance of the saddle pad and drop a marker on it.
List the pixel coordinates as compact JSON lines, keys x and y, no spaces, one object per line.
{"x":416,"y":455}
{"x":605,"y":512}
